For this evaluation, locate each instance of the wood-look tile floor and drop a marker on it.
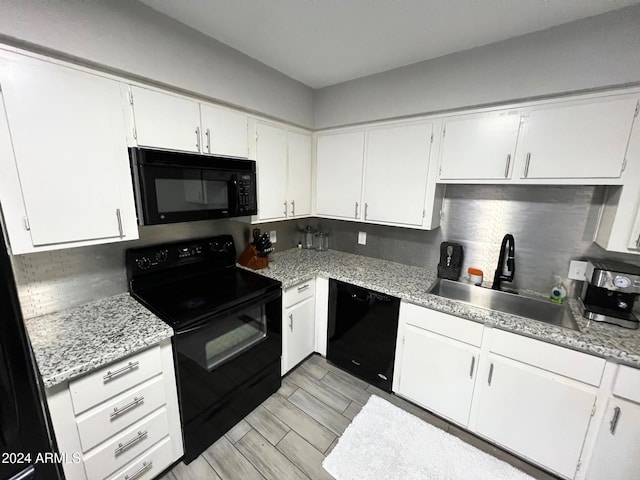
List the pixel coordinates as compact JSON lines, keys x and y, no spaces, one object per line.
{"x":289,"y":435}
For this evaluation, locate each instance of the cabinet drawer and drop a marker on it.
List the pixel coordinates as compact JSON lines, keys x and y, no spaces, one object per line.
{"x":126,"y":446}
{"x":113,"y":379}
{"x":299,"y":292}
{"x":104,"y":421}
{"x":457,"y":328}
{"x":628,"y":384}
{"x":148,"y":465}
{"x":553,"y":358}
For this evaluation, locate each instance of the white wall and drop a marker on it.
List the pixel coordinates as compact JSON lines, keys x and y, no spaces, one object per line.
{"x":595,"y":52}
{"x":131,"y":37}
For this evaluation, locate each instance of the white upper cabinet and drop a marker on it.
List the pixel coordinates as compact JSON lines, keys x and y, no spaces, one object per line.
{"x":65,"y":168}
{"x":339,"y":175}
{"x":299,"y":178}
{"x":166,"y":121}
{"x":479,"y":147}
{"x":271,"y":160}
{"x":396,"y":169}
{"x":224,"y":131}
{"x":586,"y":140}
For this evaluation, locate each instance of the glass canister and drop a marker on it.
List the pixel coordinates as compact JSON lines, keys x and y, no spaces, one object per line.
{"x":321,"y":241}
{"x":308,"y":238}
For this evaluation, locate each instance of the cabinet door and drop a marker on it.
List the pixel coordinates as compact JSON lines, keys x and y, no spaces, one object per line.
{"x":577,"y":141}
{"x":299,"y":334}
{"x":538,"y":414}
{"x":299,"y":179}
{"x":478,"y":147}
{"x":396,"y":171}
{"x":165,"y":121}
{"x":339,"y":175}
{"x":438,"y":373}
{"x":617,"y":450}
{"x":271,"y":159}
{"x":224,"y":131}
{"x":69,"y":140}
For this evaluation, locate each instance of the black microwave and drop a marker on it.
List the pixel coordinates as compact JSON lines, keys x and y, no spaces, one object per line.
{"x":175,"y":187}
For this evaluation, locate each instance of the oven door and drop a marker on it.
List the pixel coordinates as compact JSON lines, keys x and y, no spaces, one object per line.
{"x":226,"y":351}
{"x":169,"y":194}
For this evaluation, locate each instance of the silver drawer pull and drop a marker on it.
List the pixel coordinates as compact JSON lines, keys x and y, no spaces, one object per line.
{"x":127,"y":367}
{"x":473,"y":363}
{"x":123,"y":446}
{"x":140,"y":471}
{"x":526,"y":165}
{"x":506,"y":168}
{"x":117,"y":411}
{"x":303,"y":288}
{"x":490,"y":374}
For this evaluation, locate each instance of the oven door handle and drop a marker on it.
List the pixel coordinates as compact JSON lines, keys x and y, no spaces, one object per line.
{"x":250,"y":302}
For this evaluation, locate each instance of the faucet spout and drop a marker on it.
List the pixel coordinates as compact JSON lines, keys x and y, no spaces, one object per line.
{"x":507,"y":252}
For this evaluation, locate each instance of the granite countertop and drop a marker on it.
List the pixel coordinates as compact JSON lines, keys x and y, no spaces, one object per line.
{"x":72,"y":342}
{"x":412,"y":284}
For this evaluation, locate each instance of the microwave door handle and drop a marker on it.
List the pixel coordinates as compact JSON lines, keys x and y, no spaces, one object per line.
{"x":236,"y":194}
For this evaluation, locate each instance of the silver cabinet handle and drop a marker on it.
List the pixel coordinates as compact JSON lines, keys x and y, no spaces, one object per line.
{"x":198,"y":138}
{"x":123,"y":446}
{"x":137,"y":473}
{"x":293,"y":208}
{"x":208,"y":134}
{"x":303,"y":288}
{"x":127,"y":367}
{"x":285,"y":207}
{"x":117,"y":411}
{"x":119,"y":217}
{"x":356,"y":209}
{"x":506,"y":168}
{"x":473,"y":364}
{"x":366,"y":210}
{"x":614,"y":421}
{"x":291,"y":321}
{"x":526,"y":165}
{"x":490,"y":374}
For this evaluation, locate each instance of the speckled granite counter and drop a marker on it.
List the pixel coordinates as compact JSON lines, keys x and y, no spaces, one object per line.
{"x":75,"y":341}
{"x":412,"y":283}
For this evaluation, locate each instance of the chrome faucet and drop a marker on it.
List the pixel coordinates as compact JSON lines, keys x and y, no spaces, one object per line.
{"x":500,"y":275}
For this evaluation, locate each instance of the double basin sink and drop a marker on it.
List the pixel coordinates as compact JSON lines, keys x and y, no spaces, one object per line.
{"x":531,"y":308}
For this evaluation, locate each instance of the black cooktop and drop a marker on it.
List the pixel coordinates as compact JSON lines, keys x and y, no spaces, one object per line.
{"x":188,"y":281}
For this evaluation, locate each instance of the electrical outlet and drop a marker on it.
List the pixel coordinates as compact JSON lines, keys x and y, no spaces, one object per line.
{"x":362,"y":238}
{"x":273,"y":236}
{"x":577,"y":270}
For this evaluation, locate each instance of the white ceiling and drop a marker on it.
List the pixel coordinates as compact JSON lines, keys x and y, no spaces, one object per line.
{"x":323,"y":42}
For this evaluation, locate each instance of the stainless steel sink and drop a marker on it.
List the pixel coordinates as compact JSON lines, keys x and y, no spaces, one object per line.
{"x":540,"y":310}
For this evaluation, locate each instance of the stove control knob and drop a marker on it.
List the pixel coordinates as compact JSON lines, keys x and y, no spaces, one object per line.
{"x":215,"y":246}
{"x":143,"y":263}
{"x":161,"y":256}
{"x":227,"y":246}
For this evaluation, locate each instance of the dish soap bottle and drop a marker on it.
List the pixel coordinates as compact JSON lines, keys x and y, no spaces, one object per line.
{"x":558,"y":292}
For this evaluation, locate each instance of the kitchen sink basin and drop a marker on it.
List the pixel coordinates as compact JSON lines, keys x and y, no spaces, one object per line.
{"x":540,"y":310}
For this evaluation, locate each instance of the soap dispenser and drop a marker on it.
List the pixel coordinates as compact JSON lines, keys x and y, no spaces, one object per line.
{"x":558,"y":292}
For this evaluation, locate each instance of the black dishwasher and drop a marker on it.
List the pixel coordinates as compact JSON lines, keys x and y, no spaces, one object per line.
{"x":361,"y":336}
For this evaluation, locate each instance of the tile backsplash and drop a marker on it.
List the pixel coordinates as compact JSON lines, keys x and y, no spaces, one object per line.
{"x":551,"y":225}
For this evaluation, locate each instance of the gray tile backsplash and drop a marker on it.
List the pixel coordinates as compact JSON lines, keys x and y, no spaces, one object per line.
{"x":551,"y":225}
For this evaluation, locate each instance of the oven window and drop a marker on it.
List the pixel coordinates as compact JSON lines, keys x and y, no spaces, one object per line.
{"x":225,"y":337}
{"x":189,"y":194}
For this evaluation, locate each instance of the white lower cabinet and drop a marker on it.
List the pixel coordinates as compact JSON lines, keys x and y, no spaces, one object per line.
{"x":121,"y":421}
{"x":298,"y":327}
{"x":436,"y":369}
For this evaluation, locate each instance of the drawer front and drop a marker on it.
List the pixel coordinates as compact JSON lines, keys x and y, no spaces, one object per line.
{"x":628,"y":384}
{"x":115,"y":378}
{"x":126,"y":446}
{"x":553,"y":358}
{"x":299,"y":292}
{"x":109,"y":418}
{"x":149,"y":465}
{"x":457,"y":328}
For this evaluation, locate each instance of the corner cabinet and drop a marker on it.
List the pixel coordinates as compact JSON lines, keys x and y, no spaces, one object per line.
{"x":298,"y":327}
{"x":121,"y":421}
{"x":438,"y":361}
{"x":65,"y":168}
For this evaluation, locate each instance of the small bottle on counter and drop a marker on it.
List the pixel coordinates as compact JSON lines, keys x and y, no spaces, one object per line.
{"x":299,"y":245}
{"x":558,"y":292}
{"x":475,"y":276}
